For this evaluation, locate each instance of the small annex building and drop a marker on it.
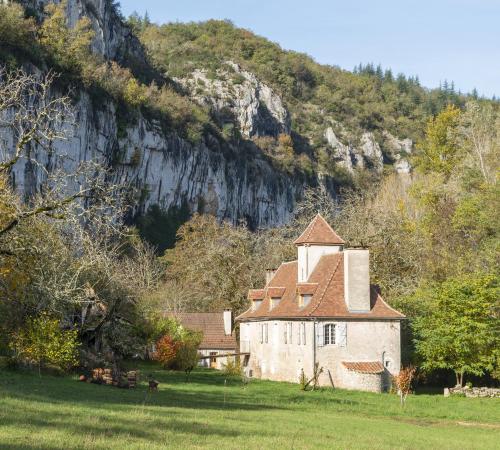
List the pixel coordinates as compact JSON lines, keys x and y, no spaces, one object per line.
{"x":218,"y":335}
{"x":322,"y":309}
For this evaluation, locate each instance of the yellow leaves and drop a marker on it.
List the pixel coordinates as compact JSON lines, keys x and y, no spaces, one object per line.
{"x":439,"y":150}
{"x":69,"y":47}
{"x":135,"y":94}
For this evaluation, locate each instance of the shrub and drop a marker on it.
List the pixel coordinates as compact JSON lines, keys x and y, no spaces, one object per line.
{"x":187,"y":354}
{"x":42,"y":342}
{"x":166,"y":351}
{"x":232,"y":368}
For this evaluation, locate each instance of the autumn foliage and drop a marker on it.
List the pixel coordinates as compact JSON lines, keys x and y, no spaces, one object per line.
{"x":166,"y":350}
{"x":403,"y":382}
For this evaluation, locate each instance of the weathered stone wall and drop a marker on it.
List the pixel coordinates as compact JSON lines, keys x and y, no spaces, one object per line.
{"x":473,"y":392}
{"x":364,"y":341}
{"x":371,"y":382}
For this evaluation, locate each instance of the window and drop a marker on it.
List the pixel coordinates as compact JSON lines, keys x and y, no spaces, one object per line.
{"x":256,"y":304}
{"x":275,"y":301}
{"x":287,"y":332}
{"x":263,"y":333}
{"x":329,"y":334}
{"x":303,"y":300}
{"x":301,"y":334}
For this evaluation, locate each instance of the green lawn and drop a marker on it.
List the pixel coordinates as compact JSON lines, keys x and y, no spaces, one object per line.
{"x":53,"y":412}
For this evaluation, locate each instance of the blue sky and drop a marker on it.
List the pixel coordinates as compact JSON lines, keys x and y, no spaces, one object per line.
{"x":456,"y":40}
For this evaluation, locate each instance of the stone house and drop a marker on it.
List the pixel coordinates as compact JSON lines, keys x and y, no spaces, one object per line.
{"x":322,"y":309}
{"x":218,"y":335}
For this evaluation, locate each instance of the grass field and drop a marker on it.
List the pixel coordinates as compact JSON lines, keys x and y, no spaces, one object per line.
{"x":59,"y":412}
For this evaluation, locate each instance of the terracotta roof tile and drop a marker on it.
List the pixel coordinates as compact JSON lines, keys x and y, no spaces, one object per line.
{"x":256,"y":294}
{"x":274,"y":292}
{"x":364,"y":367}
{"x":212,"y":327}
{"x":319,"y":232}
{"x":306,"y":288}
{"x":328,"y":299}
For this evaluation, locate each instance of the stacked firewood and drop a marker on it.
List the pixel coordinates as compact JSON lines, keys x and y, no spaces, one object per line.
{"x":113,"y":378}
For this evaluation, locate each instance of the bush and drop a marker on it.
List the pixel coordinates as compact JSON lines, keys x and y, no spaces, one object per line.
{"x":232,"y":368}
{"x":42,"y":342}
{"x":166,"y":351}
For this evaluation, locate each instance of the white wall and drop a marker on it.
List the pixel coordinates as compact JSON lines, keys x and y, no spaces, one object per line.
{"x":308,"y":257}
{"x":365,"y":341}
{"x":357,"y":279}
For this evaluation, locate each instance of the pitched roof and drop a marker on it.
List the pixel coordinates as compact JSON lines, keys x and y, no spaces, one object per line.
{"x":256,"y":294}
{"x":212,"y":327}
{"x":319,"y":232}
{"x":364,"y":367}
{"x":328,"y":298}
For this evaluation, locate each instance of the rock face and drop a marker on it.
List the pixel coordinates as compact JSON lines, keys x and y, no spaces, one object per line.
{"x":113,"y":39}
{"x":368,"y":154}
{"x":162,"y":167}
{"x":165,"y":169}
{"x":254,"y":106}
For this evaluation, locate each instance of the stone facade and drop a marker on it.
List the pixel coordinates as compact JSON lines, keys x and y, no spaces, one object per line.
{"x":280,"y":360}
{"x":322,"y":309}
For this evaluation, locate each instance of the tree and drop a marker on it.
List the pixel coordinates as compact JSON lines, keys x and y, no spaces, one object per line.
{"x":187,"y":353}
{"x":166,"y":350}
{"x":43,"y":342}
{"x":403,"y":381}
{"x":459,"y":327}
{"x":439,"y":152}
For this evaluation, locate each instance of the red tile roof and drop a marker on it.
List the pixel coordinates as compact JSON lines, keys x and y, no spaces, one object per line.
{"x":328,"y":298}
{"x":364,"y":367}
{"x":256,"y":294}
{"x":212,"y":327}
{"x":319,"y":232}
{"x":275,"y":292}
{"x":306,"y":288}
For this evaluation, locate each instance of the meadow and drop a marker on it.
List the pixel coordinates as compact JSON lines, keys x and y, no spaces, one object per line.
{"x":212,"y":411}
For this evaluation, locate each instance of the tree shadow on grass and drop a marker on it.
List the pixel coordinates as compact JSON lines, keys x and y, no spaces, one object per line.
{"x":201,"y":395}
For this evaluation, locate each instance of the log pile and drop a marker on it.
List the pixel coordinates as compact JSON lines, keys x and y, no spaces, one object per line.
{"x":115,"y":378}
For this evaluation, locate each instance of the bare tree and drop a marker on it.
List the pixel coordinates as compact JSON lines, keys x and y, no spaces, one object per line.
{"x":32,"y":115}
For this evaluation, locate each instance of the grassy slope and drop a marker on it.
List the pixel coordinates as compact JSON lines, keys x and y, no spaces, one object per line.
{"x":61,"y":413}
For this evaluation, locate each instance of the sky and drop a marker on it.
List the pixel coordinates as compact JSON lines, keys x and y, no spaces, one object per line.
{"x":454,"y":40}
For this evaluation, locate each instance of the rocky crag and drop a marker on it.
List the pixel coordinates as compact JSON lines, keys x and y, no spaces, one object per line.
{"x":222,"y":178}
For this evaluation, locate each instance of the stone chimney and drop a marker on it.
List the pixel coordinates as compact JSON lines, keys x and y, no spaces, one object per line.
{"x":357,"y":279}
{"x":228,"y":322}
{"x":269,"y":275}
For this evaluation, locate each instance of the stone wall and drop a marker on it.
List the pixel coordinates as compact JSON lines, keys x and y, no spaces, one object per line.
{"x":473,"y":391}
{"x":364,"y":341}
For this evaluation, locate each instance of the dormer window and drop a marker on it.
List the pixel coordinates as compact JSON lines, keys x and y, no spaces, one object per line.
{"x":304,"y":299}
{"x":275,"y":301}
{"x":256,"y":304}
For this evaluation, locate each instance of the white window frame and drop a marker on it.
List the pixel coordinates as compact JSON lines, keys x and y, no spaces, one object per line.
{"x":329,"y":334}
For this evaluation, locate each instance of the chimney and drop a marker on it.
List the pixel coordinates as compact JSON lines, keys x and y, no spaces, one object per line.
{"x":228,"y":322}
{"x":269,"y":275}
{"x":357,"y":279}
